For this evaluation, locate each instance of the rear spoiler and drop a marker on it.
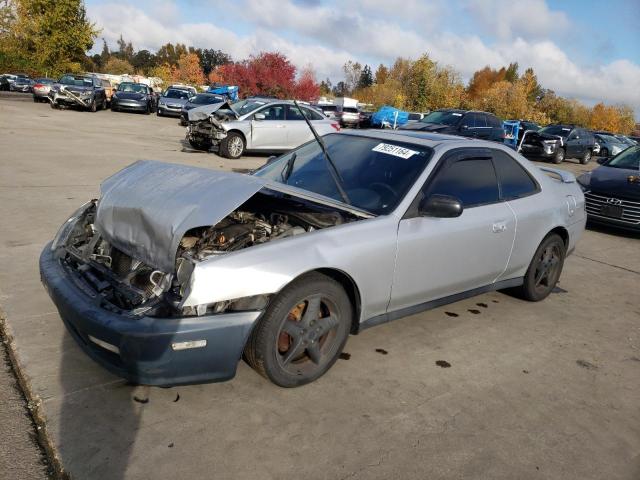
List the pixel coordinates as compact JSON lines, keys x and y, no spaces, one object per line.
{"x":564,"y":176}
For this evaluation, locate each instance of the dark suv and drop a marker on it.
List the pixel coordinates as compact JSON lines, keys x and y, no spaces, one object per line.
{"x":559,"y":142}
{"x":466,"y":123}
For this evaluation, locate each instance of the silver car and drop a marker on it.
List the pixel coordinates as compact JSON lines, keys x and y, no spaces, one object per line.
{"x":177,"y":272}
{"x":609,"y":144}
{"x":258,"y":124}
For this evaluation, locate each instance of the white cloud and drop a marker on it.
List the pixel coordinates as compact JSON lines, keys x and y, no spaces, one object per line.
{"x":310,"y":32}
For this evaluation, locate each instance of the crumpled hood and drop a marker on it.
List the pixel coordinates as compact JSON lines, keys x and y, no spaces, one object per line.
{"x":77,"y":89}
{"x":615,"y":181}
{"x":146,"y":208}
{"x":203,"y":112}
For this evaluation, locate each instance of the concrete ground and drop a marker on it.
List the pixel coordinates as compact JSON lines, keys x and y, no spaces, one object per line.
{"x":530,"y":391}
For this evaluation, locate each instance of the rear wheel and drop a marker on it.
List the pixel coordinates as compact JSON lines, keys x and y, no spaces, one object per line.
{"x":232,"y":146}
{"x":586,"y":158}
{"x":559,"y":156}
{"x":544,"y":270}
{"x":604,"y":152}
{"x":302,"y":333}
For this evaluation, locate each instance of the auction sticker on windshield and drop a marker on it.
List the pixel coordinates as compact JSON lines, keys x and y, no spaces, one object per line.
{"x":394,"y":150}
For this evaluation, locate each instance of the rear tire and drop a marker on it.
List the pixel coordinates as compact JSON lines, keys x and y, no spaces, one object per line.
{"x":604,"y":152}
{"x":302,"y":332}
{"x":559,"y":156}
{"x":586,"y":158}
{"x":232,"y":146}
{"x":544,"y":270}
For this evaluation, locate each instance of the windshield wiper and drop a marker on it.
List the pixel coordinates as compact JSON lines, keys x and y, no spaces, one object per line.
{"x":286,"y":172}
{"x":333,"y":170}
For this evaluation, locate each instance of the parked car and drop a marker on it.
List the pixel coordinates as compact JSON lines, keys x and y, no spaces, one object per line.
{"x":41,"y":87}
{"x":172,"y":100}
{"x":197,"y":101}
{"x":329,"y":110}
{"x":365,"y":119}
{"x":85,"y":91}
{"x":347,"y":116}
{"x":612,"y":190}
{"x":24,"y":85}
{"x":176,"y":272}
{"x":5,"y":83}
{"x":482,"y":125}
{"x":626,"y":140}
{"x":609,"y":145}
{"x":559,"y":142}
{"x":187,"y":88}
{"x":524,"y":126}
{"x":136,"y":97}
{"x":257,"y":124}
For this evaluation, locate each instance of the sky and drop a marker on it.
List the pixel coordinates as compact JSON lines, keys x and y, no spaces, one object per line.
{"x":589,"y":50}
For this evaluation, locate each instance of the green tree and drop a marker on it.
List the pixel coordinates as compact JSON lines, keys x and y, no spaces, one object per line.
{"x":143,"y":61}
{"x":54,"y":34}
{"x":511,"y":74}
{"x":382,"y":73}
{"x":105,"y":54}
{"x":210,"y":59}
{"x":117,"y":66}
{"x":366,"y":78}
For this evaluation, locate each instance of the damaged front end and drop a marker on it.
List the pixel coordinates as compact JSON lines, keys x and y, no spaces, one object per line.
{"x":208,"y":125}
{"x":63,"y":95}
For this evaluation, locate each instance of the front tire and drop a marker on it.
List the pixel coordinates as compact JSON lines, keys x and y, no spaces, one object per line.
{"x":232,"y":146}
{"x":544,"y":270}
{"x":93,"y":106}
{"x":586,"y":158}
{"x":302,"y":332}
{"x":559,"y":156}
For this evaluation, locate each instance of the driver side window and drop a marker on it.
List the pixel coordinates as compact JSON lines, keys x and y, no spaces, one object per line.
{"x":273,"y":112}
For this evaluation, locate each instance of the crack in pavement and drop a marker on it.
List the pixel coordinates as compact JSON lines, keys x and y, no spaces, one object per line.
{"x":608,"y":264}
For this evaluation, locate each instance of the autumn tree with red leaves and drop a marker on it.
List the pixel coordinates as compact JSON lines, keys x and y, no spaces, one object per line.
{"x":270,"y":74}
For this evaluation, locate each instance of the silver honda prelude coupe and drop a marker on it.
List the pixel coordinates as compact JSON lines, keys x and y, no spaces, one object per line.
{"x":177,"y":272}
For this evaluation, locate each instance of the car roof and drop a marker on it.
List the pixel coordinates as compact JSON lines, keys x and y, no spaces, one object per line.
{"x":426,"y":139}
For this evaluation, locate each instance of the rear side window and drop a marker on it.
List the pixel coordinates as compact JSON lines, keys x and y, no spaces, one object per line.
{"x":493,"y":121}
{"x":350,"y":110}
{"x":480,"y":120}
{"x":472,"y":181}
{"x":514,"y":180}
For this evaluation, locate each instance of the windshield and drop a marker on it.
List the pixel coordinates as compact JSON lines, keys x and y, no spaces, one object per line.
{"x":556,"y":130}
{"x":625,"y":140}
{"x":607,"y":138}
{"x":182,"y":94}
{"x":44,"y":80}
{"x":246,"y":106}
{"x":376,"y":173}
{"x":132,"y":88}
{"x":443,"y":117}
{"x":328,"y":108}
{"x":76,"y":81}
{"x":629,"y":158}
{"x":206,"y":99}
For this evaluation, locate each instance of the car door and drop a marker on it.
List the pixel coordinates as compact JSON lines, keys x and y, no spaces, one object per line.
{"x":298,"y":131}
{"x":438,"y":257}
{"x":574,"y":147}
{"x":268,"y":128}
{"x":467,"y":126}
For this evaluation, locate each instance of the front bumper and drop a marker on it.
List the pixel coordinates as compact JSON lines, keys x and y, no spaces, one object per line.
{"x":141,"y":349}
{"x":536,"y":151}
{"x":169,"y":111}
{"x":136,"y":105}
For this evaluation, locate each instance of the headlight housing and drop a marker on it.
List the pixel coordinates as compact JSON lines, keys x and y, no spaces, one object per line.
{"x":67,"y":227}
{"x":615,"y":150}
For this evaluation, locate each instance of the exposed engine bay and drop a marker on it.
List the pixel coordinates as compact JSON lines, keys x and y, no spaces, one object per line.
{"x":122,"y":283}
{"x":204,"y":129}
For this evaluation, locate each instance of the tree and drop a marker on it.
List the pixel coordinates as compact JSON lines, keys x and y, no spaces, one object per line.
{"x":269,"y":73}
{"x":125,"y":50}
{"x":340,"y":89}
{"x":533,"y":88}
{"x":306,"y":87}
{"x":382,"y":73}
{"x":325,"y":87}
{"x":105,"y":53}
{"x":54,"y":35}
{"x":210,"y":59}
{"x":118,"y":66}
{"x":189,"y":70}
{"x":352,"y":72}
{"x":7,"y":16}
{"x":511,"y":74}
{"x":143,"y":61}
{"x":483,"y":79}
{"x":366,"y":78}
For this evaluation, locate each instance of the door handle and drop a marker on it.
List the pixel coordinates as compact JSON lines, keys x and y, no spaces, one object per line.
{"x":499,"y":227}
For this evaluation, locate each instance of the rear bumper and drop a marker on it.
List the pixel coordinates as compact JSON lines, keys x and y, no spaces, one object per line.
{"x":143,"y":349}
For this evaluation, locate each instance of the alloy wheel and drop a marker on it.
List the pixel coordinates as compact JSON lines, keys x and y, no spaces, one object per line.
{"x":548,"y":268}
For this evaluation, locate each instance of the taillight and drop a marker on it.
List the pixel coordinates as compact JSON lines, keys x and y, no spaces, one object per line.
{"x":336,"y":126}
{"x":38,"y":85}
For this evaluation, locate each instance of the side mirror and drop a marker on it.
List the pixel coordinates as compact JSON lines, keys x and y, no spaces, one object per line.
{"x":440,"y":206}
{"x":259,"y":116}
